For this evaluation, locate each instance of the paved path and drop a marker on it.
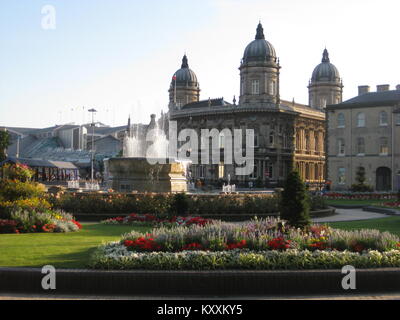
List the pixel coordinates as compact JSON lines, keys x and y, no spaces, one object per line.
{"x":365,"y":296}
{"x":350,"y":215}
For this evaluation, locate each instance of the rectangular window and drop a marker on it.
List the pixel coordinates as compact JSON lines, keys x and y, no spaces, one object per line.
{"x":272,"y":139}
{"x":270,"y":171}
{"x":202,"y":171}
{"x":342,"y":175}
{"x":254,"y":174}
{"x":360,"y":146}
{"x":398,"y":119}
{"x":255,"y":87}
{"x":341,"y":147}
{"x":256,"y":140}
{"x":384,"y":146}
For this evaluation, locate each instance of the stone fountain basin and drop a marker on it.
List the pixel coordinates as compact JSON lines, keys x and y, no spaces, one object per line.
{"x":139,"y":174}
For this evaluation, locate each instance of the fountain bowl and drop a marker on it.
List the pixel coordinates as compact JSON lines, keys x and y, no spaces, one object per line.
{"x":139,"y":174}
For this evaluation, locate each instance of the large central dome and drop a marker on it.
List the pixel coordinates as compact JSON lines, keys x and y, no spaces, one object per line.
{"x":259,"y":49}
{"x":325,"y":71}
{"x":185,"y":76}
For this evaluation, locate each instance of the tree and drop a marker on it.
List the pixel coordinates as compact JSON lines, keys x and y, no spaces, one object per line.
{"x":360,"y":175}
{"x":360,"y":186}
{"x":4,"y":144}
{"x":295,"y":206}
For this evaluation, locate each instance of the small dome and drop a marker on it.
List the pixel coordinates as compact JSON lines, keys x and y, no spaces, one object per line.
{"x":259,"y":49}
{"x":325,"y":71}
{"x":185,"y":75}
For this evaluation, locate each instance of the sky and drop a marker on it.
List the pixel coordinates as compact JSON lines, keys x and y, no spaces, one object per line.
{"x":118,"y":56}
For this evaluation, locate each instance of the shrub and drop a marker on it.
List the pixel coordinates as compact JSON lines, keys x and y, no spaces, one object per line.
{"x":8,"y":226}
{"x":295,"y":205}
{"x":180,"y":204}
{"x":12,"y":190}
{"x":33,"y":204}
{"x":317,"y":202}
{"x":17,"y":171}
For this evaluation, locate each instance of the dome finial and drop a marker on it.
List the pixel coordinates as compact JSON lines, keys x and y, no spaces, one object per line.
{"x":185,"y":62}
{"x":260,"y":32}
{"x":325,"y":56}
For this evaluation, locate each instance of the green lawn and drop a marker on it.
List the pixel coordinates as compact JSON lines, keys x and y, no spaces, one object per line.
{"x":391,"y":224}
{"x":72,"y":250}
{"x":69,"y":250}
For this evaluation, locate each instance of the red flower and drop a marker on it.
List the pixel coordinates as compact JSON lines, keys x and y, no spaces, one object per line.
{"x":142,"y":244}
{"x":238,"y":245}
{"x":48,"y":227}
{"x":77,"y":224}
{"x":279,"y":244}
{"x":358,"y":247}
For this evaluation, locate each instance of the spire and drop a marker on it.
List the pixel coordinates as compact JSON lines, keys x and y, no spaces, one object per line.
{"x":260,"y":32}
{"x":325,"y":56}
{"x":128,"y":128}
{"x":185,"y":62}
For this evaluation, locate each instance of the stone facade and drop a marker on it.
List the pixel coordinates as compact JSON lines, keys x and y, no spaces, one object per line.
{"x":365,"y":132}
{"x":287,"y":134}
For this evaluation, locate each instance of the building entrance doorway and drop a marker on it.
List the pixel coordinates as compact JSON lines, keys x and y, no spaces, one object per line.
{"x":383,"y":179}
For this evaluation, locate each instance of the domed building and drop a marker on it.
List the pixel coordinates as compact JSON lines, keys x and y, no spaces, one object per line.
{"x":286,"y":133}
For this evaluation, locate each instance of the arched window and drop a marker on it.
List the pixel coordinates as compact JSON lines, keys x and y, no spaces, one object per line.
{"x":298,"y":147}
{"x":307,"y":171}
{"x":341,"y":121}
{"x":383,"y":118}
{"x":308,"y":141}
{"x":361,"y":119}
{"x":316,"y":142}
{"x":316,"y":172}
{"x":383,"y":146}
{"x":272,"y":87}
{"x":222,"y":140}
{"x":255,"y":87}
{"x":323,"y":103}
{"x":341,"y":147}
{"x":360,"y":146}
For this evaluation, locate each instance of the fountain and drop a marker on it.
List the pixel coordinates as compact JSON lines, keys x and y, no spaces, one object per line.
{"x":144,"y":166}
{"x":229,"y":188}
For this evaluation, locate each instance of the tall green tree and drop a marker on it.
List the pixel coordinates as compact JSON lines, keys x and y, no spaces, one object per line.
{"x":294,"y":206}
{"x":4,"y":144}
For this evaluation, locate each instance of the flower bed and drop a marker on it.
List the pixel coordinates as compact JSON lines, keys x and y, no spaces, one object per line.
{"x":359,"y":195}
{"x":394,"y":205}
{"x":115,"y":256}
{"x":24,"y":221}
{"x":263,"y":244}
{"x":23,"y":208}
{"x":152,"y":220}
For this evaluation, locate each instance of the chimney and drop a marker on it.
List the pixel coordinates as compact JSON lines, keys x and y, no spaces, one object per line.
{"x":398,"y":87}
{"x":382,"y":87}
{"x":363,"y":89}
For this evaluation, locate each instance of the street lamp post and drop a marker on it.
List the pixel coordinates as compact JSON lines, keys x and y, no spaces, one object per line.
{"x":92,"y":111}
